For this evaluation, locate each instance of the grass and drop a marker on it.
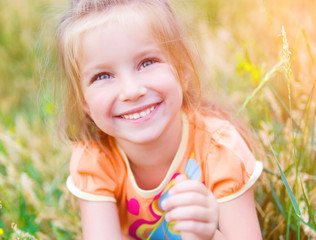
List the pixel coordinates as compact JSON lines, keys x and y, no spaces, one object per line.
{"x":254,"y":66}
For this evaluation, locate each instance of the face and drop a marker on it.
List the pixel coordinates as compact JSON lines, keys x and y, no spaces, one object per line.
{"x":130,"y":90}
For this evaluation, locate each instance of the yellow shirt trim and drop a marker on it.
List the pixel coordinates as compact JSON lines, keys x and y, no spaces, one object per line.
{"x":255,"y":175}
{"x":84,"y":195}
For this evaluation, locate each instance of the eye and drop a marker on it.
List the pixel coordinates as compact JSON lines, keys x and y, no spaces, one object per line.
{"x":101,"y":76}
{"x":147,"y":62}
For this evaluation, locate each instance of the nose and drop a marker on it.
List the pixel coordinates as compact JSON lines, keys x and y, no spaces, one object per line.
{"x":131,"y":89}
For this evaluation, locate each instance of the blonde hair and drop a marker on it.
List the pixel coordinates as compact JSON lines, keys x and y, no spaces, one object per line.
{"x":85,"y":15}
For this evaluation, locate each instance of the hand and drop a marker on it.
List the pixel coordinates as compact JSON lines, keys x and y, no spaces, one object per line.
{"x":193,"y":207}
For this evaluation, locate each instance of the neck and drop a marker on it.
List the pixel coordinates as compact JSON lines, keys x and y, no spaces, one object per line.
{"x":159,"y":152}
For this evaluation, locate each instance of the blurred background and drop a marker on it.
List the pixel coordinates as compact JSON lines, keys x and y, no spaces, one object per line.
{"x":244,"y":51}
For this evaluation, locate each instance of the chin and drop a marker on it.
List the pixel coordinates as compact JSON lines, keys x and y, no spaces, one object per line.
{"x":143,"y":138}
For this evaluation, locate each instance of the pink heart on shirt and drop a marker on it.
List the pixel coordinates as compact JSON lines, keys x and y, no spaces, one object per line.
{"x":133,"y":206}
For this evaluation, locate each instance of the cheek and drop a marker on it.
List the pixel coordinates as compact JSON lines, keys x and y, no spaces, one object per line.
{"x":167,"y":80}
{"x":179,"y":95}
{"x":96,"y":104}
{"x":173,"y":93}
{"x":174,"y":87}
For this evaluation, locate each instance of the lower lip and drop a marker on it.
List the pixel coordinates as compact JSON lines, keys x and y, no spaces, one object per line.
{"x":143,"y":119}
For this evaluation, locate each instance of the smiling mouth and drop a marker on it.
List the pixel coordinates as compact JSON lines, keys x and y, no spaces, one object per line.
{"x":140,"y":114}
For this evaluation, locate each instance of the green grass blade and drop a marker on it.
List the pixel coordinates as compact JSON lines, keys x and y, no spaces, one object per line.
{"x":265,"y":79}
{"x":298,"y":218}
{"x":288,"y":223}
{"x":275,"y":93}
{"x":276,"y":198}
{"x":311,"y":214}
{"x":286,"y":184}
{"x":157,"y":225}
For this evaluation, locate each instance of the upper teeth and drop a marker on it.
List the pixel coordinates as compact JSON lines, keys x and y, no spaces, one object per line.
{"x":139,"y":114}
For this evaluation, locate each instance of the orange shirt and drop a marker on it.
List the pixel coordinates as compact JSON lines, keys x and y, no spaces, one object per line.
{"x":210,"y":151}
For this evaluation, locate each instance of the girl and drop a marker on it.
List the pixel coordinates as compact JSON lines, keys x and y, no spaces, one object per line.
{"x":148,"y":162}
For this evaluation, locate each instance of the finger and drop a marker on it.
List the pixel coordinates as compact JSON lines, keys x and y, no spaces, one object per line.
{"x":189,"y":185}
{"x":196,"y":213}
{"x":190,"y":236}
{"x":196,"y":228}
{"x":185,"y":199}
{"x":180,"y":178}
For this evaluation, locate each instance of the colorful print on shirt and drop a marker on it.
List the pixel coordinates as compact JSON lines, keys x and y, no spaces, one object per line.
{"x":159,"y":228}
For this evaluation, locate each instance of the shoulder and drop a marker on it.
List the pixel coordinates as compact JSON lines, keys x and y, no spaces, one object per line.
{"x":92,"y":158}
{"x":88,"y":159}
{"x":94,"y":170}
{"x":215,"y":131}
{"x":230,"y":167}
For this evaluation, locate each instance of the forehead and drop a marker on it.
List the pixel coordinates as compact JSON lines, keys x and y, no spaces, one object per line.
{"x":122,"y":16}
{"x":112,"y":34}
{"x":120,"y":19}
{"x":115,"y":42}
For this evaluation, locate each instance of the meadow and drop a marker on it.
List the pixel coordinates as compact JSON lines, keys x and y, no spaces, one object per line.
{"x":259,"y":58}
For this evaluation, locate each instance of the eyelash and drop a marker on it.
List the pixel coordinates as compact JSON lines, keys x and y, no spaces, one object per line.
{"x":99,"y":76}
{"x":149,"y":60}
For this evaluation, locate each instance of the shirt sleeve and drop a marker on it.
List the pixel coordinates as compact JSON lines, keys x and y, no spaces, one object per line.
{"x":232,"y":166}
{"x":92,"y":176}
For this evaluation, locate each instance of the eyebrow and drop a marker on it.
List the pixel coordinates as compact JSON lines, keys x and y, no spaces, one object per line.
{"x":89,"y":74}
{"x":94,"y":69}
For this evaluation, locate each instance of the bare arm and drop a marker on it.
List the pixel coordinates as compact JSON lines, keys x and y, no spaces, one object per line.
{"x":99,"y":220}
{"x":198,"y":214}
{"x":238,"y":218}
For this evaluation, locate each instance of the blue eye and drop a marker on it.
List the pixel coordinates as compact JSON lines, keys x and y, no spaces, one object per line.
{"x":103,"y":76}
{"x":147,"y":63}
